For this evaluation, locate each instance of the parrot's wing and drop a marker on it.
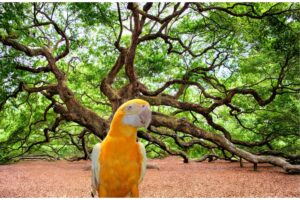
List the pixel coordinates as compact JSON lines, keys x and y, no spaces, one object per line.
{"x":144,"y":160}
{"x":95,"y":168}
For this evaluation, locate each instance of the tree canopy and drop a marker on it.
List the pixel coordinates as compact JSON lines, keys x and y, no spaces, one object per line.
{"x":222,"y":78}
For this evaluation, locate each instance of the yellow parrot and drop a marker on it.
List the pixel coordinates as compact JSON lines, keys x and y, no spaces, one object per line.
{"x":119,"y":162}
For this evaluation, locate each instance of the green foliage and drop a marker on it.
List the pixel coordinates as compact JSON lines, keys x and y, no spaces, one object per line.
{"x":256,"y":50}
{"x":94,"y":13}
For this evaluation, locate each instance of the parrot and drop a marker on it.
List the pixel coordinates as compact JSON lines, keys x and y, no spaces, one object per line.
{"x":119,"y":161}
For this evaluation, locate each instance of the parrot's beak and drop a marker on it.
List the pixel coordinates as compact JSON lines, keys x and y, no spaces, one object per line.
{"x":145,"y":116}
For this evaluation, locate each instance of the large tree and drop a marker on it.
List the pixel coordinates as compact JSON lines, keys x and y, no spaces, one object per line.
{"x":222,"y":78}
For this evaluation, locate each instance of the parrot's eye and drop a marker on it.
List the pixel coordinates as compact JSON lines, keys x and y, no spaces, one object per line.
{"x":129,"y":107}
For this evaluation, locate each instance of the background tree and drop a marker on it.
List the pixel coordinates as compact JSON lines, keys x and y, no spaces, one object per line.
{"x":222,"y":78}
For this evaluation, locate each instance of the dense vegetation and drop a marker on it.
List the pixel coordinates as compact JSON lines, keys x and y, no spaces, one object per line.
{"x":222,"y":78}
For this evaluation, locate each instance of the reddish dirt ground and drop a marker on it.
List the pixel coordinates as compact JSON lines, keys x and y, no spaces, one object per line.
{"x":174,"y":179}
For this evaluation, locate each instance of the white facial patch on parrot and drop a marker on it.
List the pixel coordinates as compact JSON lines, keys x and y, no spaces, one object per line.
{"x":137,"y":115}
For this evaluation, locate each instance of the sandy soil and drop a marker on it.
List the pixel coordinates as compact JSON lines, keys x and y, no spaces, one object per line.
{"x":174,"y":179}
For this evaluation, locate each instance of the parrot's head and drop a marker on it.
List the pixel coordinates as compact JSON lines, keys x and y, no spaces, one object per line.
{"x":135,"y":113}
